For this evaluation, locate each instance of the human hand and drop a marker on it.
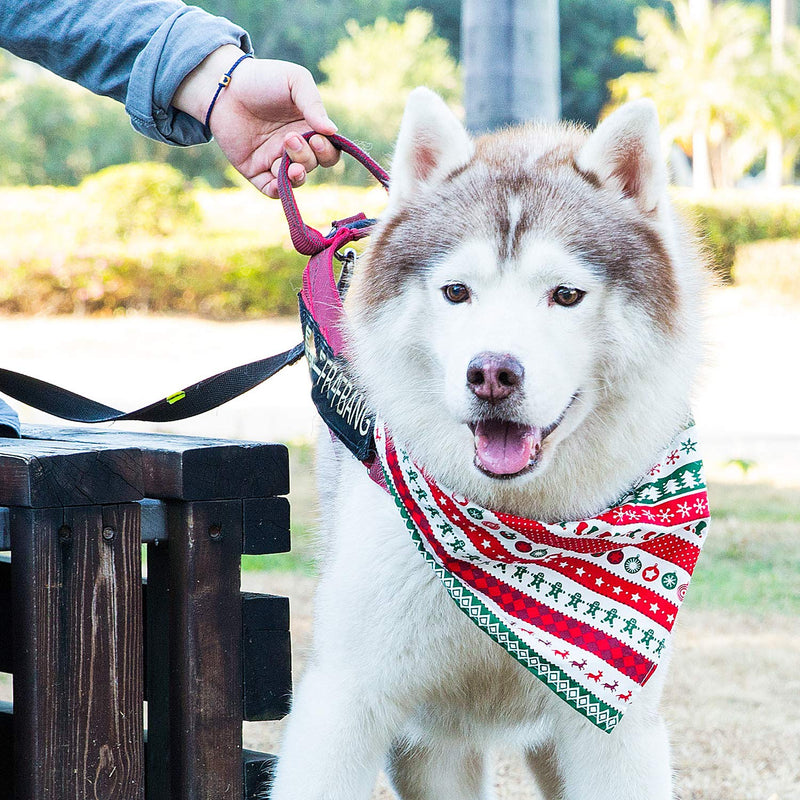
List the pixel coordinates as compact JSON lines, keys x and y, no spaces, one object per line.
{"x":263,"y":111}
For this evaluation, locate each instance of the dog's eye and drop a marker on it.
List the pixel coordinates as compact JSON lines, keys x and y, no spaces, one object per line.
{"x":567,"y":295}
{"x":456,"y":292}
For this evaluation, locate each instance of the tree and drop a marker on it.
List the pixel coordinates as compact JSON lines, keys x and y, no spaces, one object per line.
{"x":589,"y":60}
{"x":372,"y":71}
{"x":710,"y":77}
{"x":511,"y":64}
{"x":303,"y":31}
{"x":783,"y":34}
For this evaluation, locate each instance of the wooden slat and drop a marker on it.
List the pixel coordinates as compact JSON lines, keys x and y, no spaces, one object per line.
{"x":158,"y":775}
{"x":35,"y":474}
{"x":191,"y":467}
{"x":6,"y":752}
{"x":78,"y":653}
{"x":266,"y":657}
{"x":258,"y":769}
{"x":6,"y":644}
{"x":266,"y":526}
{"x":5,"y":530}
{"x":205,"y":541}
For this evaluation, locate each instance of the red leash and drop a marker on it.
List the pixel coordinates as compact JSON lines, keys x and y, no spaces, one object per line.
{"x":339,"y":401}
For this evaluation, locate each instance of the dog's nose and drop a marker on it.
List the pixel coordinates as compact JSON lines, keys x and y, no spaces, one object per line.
{"x":494,"y":376}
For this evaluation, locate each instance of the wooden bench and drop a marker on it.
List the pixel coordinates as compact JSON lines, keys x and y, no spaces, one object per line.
{"x":88,"y":641}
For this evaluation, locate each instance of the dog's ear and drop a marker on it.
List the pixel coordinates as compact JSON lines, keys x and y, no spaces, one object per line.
{"x":431,"y":143}
{"x":624,"y":152}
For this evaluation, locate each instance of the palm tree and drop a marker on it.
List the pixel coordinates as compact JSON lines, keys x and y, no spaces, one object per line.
{"x":510,"y":57}
{"x":710,"y":76}
{"x":783,"y":33}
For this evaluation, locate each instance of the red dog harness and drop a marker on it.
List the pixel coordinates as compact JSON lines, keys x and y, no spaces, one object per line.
{"x":340,"y":403}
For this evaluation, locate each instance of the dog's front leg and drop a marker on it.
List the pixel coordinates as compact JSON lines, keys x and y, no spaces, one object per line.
{"x":337,"y":736}
{"x":631,"y":763}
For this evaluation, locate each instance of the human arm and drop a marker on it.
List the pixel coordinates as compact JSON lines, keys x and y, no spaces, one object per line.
{"x":266,"y":106}
{"x":9,"y":421}
{"x":136,"y":51}
{"x":164,"y":59}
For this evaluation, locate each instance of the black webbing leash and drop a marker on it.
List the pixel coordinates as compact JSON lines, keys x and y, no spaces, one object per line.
{"x":195,"y":399}
{"x":218,"y":389}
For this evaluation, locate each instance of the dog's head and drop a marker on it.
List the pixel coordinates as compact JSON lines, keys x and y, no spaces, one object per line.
{"x":513,"y":287}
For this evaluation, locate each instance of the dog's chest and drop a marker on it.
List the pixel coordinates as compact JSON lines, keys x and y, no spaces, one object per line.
{"x":387,"y":610}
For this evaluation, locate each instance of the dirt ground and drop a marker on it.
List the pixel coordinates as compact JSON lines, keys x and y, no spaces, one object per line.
{"x":732,"y":704}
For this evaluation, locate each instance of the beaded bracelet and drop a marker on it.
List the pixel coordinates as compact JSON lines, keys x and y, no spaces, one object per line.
{"x":223,"y":83}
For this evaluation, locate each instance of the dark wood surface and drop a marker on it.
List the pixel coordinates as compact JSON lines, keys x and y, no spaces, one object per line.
{"x":5,"y":530}
{"x":205,"y":542}
{"x":213,"y":656}
{"x":78,"y":668}
{"x":266,"y":526}
{"x":6,"y":752}
{"x":258,"y":770}
{"x":190,"y":467}
{"x":6,"y":647}
{"x":46,"y":474}
{"x":158,"y":775}
{"x":266,"y":656}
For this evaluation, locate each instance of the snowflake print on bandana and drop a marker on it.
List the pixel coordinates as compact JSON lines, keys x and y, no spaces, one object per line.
{"x":573,"y":600}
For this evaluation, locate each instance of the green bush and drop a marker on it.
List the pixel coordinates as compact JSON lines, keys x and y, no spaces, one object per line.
{"x":222,"y":277}
{"x":727,"y":220}
{"x":142,"y":198}
{"x":772,"y":266}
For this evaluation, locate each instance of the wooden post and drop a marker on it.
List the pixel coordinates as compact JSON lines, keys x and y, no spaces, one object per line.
{"x":205,"y":543}
{"x":78,"y":680}
{"x":76,"y":619}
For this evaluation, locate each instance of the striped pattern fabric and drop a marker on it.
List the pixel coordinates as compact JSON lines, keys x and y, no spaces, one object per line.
{"x":588,"y":605}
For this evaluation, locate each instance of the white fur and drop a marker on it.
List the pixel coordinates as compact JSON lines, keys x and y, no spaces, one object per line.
{"x":397,"y":670}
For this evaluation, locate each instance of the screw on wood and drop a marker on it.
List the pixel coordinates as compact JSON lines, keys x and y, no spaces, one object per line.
{"x":64,"y":534}
{"x":108,"y":533}
{"x":215,"y":532}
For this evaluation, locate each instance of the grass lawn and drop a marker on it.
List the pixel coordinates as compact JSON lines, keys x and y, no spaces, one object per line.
{"x":750,"y":563}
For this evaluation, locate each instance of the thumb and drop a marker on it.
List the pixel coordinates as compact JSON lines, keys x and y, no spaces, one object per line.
{"x":306,"y":97}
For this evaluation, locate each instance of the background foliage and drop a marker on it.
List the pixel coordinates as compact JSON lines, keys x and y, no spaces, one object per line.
{"x":135,"y":239}
{"x":52,"y":132}
{"x":366,"y":55}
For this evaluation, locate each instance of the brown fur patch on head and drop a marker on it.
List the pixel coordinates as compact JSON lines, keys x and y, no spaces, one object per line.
{"x":532,"y":169}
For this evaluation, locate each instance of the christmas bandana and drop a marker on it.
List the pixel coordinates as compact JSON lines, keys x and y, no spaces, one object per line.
{"x":586,"y":606}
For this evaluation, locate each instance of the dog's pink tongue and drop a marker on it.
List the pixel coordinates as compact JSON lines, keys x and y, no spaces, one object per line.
{"x":505,"y":448}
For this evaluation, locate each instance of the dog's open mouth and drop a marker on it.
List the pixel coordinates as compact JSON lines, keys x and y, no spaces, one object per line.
{"x":506,"y":449}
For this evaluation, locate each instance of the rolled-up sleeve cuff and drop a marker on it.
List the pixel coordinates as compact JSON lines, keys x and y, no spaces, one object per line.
{"x":9,"y":421}
{"x":181,"y":42}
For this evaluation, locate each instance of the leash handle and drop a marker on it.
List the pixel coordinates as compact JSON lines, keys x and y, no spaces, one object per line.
{"x":307,"y":240}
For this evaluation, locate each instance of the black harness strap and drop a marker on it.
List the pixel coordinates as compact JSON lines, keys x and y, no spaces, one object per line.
{"x":195,"y":399}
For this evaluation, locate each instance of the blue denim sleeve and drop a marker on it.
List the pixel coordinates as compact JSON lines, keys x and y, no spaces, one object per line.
{"x":136,"y":51}
{"x":9,"y":421}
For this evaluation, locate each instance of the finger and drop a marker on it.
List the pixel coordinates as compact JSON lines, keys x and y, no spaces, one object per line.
{"x":262,"y":181}
{"x":271,"y":189}
{"x":307,"y":98}
{"x":327,"y":155}
{"x":276,"y":168}
{"x":300,"y":151}
{"x":297,"y":174}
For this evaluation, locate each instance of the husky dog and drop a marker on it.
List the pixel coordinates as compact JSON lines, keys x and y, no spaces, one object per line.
{"x":526,"y":323}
